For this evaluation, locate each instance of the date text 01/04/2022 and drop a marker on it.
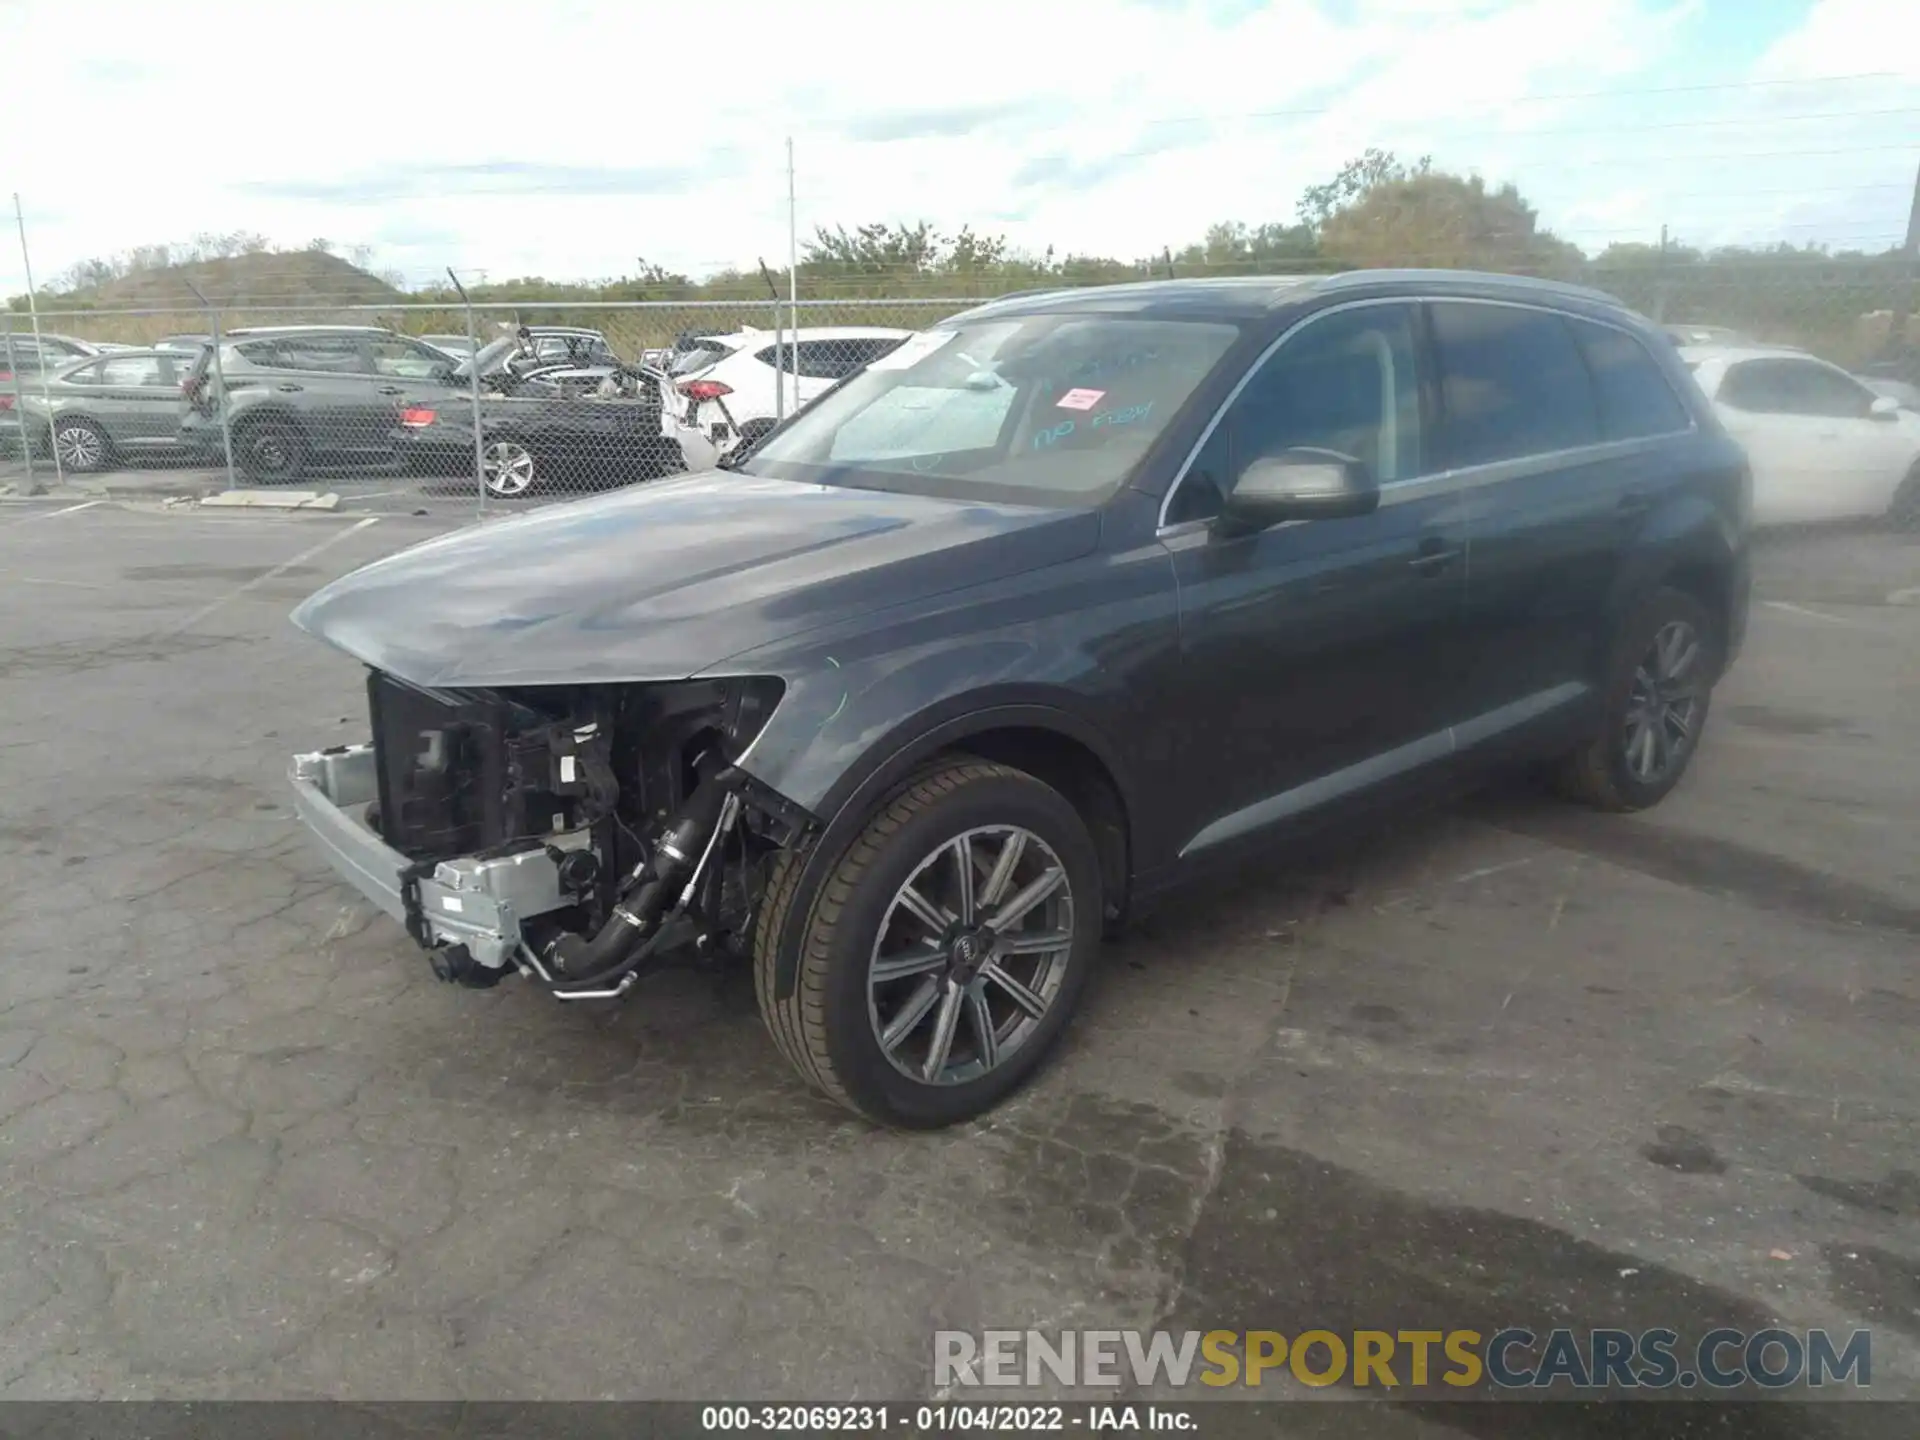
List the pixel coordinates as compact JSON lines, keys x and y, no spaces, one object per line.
{"x":945,"y":1419}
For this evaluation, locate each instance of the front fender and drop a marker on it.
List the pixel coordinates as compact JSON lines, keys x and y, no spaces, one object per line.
{"x":1075,"y":650}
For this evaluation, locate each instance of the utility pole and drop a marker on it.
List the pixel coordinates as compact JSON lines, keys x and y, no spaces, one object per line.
{"x":46,"y":370}
{"x":1909,"y":277}
{"x":793,"y":274}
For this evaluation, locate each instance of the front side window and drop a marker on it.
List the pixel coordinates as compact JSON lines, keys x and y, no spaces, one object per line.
{"x":404,"y":359}
{"x":130,"y":370}
{"x":1346,"y":382}
{"x":1630,"y":390}
{"x":1039,"y":409}
{"x":1512,"y":383}
{"x":1794,"y":387}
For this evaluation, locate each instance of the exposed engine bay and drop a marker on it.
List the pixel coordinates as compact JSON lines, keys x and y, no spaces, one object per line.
{"x":581,"y":835}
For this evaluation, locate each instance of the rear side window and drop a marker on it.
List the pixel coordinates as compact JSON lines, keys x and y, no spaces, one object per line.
{"x":132,"y":370}
{"x":824,"y":359}
{"x":1512,"y":383}
{"x":1631,"y":392}
{"x":337,"y":354}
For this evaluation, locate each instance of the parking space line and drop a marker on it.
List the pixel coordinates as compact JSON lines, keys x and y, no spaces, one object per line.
{"x":56,"y":514}
{"x":1793,"y":609}
{"x":234,"y":594}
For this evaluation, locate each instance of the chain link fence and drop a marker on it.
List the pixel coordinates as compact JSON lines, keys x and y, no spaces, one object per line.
{"x":502,"y":405}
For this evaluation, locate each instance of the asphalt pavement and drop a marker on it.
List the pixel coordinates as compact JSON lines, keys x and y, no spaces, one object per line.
{"x":1510,"y":1059}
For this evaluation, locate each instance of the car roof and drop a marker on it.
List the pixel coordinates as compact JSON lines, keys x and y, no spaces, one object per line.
{"x":1694,"y":354}
{"x":1249,"y":297}
{"x":309,"y":330}
{"x":829,"y":332}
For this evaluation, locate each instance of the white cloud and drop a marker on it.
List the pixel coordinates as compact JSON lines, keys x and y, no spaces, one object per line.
{"x":568,"y":139}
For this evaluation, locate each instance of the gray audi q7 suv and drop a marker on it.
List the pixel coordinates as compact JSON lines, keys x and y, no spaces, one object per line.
{"x":1066,"y":602}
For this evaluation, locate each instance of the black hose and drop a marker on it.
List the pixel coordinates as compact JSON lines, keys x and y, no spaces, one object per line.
{"x":592,"y":963}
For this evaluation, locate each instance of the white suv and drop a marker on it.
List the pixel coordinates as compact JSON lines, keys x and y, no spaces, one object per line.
{"x":740,"y":396}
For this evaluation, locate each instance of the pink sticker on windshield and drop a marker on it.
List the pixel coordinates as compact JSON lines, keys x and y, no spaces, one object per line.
{"x":1080,"y":399}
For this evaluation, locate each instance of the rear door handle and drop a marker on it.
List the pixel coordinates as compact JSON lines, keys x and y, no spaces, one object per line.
{"x":391,"y":390}
{"x":289,"y":388}
{"x":1434,"y":556}
{"x":1635,"y":502}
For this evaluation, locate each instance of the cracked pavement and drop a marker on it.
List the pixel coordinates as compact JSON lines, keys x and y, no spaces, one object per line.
{"x":1509,"y":1061}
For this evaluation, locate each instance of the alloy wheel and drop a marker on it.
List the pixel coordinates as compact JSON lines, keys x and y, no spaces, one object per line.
{"x":971,"y":955}
{"x":80,"y":447}
{"x":508,"y":468}
{"x":1663,"y":705}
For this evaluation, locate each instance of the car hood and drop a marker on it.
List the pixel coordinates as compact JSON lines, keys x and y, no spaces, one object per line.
{"x":660,"y":581}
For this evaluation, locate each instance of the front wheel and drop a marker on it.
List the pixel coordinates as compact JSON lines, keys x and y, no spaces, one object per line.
{"x":1658,"y":690}
{"x":946,"y":951}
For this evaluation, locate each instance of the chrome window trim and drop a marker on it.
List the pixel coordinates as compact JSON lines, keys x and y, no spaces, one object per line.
{"x":1438,"y":482}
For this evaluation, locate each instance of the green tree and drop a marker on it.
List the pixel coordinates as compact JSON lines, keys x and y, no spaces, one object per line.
{"x":1449,"y":221}
{"x":1355,"y":180}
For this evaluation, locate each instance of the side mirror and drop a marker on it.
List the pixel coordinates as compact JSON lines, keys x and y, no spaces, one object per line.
{"x":1884,"y":407}
{"x":1299,"y":484}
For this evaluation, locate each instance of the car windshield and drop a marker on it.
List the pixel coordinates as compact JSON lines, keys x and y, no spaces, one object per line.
{"x":1039,"y":409}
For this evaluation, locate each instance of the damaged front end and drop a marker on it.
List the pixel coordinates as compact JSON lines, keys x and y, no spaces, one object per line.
{"x":580,"y":835}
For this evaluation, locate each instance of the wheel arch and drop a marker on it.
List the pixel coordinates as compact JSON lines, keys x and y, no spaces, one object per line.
{"x":1690,"y":547}
{"x":1053,"y":744}
{"x":270,"y":415}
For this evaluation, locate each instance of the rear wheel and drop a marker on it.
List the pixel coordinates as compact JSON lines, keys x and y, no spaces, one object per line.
{"x":507,"y":469}
{"x":1658,"y":691}
{"x":944,"y":953}
{"x":82,"y":446}
{"x":271,"y":452}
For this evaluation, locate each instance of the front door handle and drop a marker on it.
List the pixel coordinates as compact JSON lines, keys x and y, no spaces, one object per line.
{"x":1434,"y":556}
{"x":289,"y":388}
{"x":391,"y":390}
{"x":1635,"y":502}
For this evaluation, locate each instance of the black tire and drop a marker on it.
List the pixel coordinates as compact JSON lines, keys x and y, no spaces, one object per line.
{"x":1603,"y":773}
{"x":826,"y":1029}
{"x":1904,"y":513}
{"x":270,"y":452}
{"x":83,"y":447}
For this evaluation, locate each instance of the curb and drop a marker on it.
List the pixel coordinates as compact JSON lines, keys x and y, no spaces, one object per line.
{"x":270,"y":500}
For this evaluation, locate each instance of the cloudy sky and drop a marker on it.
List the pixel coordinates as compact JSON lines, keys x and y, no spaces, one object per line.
{"x":566,"y":139}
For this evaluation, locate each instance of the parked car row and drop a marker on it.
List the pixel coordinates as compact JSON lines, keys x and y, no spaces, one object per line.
{"x":558,"y":403}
